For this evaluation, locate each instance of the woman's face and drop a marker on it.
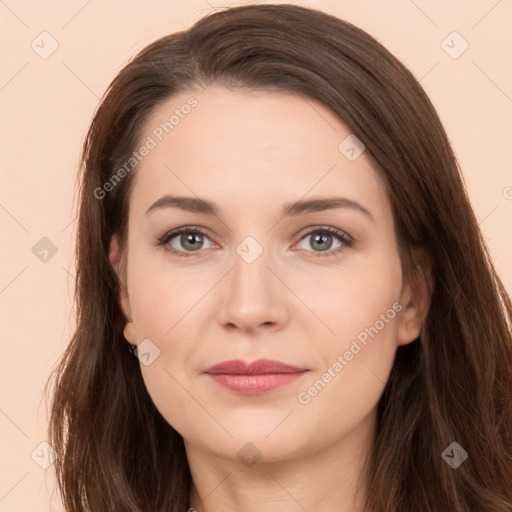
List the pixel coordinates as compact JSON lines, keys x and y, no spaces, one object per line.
{"x":262,"y":279}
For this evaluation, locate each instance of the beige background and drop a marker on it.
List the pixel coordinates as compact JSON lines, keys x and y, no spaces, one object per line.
{"x":46,"y":107}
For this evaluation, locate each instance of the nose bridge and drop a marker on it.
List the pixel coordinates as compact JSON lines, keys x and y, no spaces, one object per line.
{"x":253,"y":295}
{"x":250,"y":275}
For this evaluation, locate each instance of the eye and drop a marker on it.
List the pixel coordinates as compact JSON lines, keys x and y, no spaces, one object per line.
{"x":187,"y":239}
{"x":323,"y":240}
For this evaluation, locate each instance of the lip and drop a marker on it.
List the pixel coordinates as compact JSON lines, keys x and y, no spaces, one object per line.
{"x":261,"y":366}
{"x":256,"y":377}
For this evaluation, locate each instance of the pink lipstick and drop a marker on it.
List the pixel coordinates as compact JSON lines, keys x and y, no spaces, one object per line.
{"x":256,"y":377}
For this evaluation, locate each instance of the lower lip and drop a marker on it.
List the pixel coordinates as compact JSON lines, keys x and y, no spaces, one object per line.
{"x":255,"y":384}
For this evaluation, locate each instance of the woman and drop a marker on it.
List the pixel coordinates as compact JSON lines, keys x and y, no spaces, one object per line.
{"x":223,"y":359}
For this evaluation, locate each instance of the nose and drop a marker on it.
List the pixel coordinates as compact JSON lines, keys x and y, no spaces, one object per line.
{"x":253,"y":297}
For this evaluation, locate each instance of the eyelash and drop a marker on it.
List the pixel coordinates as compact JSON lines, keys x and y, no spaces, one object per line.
{"x":346,"y":240}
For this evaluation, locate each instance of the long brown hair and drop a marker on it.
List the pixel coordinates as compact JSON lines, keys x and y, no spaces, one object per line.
{"x":452,"y":384}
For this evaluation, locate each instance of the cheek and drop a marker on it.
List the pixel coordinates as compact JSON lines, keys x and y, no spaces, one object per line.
{"x":161,"y":316}
{"x":161,"y":299}
{"x":164,"y":306}
{"x":355,"y":361}
{"x":360,"y":307}
{"x":356,"y":298}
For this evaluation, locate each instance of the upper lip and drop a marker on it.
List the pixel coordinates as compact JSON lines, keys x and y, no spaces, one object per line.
{"x":261,"y":366}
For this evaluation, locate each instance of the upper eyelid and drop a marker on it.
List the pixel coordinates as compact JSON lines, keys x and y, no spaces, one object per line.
{"x":330,"y":229}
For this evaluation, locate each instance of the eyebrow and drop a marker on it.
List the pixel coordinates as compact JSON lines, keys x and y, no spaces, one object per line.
{"x":198,"y":205}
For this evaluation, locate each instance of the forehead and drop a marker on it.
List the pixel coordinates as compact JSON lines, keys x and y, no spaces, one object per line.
{"x":250,"y":147}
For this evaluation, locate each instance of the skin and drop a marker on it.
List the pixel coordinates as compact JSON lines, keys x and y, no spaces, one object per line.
{"x":290,"y":304}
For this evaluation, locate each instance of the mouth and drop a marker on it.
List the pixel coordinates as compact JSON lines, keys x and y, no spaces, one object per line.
{"x":254,"y":378}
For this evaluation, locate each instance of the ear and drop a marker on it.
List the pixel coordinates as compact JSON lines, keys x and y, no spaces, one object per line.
{"x":118,"y":262}
{"x":416,"y":295}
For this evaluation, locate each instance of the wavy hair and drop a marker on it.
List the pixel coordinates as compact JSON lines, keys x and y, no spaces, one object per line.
{"x":453,"y":383}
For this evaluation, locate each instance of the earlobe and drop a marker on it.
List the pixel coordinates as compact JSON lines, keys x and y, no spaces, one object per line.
{"x":415,"y":298}
{"x":130,"y":333}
